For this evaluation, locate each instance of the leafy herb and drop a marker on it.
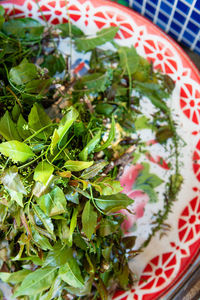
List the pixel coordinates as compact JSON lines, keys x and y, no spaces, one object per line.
{"x":64,"y":144}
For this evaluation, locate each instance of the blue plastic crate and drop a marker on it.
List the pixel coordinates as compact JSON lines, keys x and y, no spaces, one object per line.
{"x":179,"y":18}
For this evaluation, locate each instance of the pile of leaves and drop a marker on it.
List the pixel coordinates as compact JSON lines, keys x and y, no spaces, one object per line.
{"x":61,"y":159}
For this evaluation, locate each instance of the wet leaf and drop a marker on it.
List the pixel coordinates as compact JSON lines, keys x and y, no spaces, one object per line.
{"x":11,"y":180}
{"x":44,"y":219}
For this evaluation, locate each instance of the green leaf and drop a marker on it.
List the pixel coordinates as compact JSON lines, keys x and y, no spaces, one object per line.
{"x":65,"y":124}
{"x":43,"y":172}
{"x":22,"y":127}
{"x":97,"y":82}
{"x":2,"y":11}
{"x":110,"y":138}
{"x":15,"y":112}
{"x":71,"y":274}
{"x":36,"y":282}
{"x":54,"y":63}
{"x":108,"y":186}
{"x":73,"y":224}
{"x":163,"y":134}
{"x":18,"y":197}
{"x":38,"y":86}
{"x":17,"y":151}
{"x":41,"y":240}
{"x":53,"y":203}
{"x":68,"y":28}
{"x":129,"y":60}
{"x":93,"y":170}
{"x":58,"y":256}
{"x":113,"y":203}
{"x":54,"y":141}
{"x":89,"y":220}
{"x":103,"y":36}
{"x":147,"y":178}
{"x":142,"y":123}
{"x":83,"y":155}
{"x":8,"y":128}
{"x":75,"y":165}
{"x":37,"y":120}
{"x":45,"y":220}
{"x":14,"y":277}
{"x":108,"y":226}
{"x":23,"y":73}
{"x":24,"y":29}
{"x":53,"y":290}
{"x":11,"y":180}
{"x":154,"y":92}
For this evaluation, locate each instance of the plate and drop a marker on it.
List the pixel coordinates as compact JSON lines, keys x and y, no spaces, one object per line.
{"x":165,"y":260}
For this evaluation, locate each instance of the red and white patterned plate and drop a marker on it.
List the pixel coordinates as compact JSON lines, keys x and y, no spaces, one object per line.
{"x":164,"y":261}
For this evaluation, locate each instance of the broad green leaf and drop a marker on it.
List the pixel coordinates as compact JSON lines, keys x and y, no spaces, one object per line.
{"x":17,"y":151}
{"x":44,"y":219}
{"x":39,"y":280}
{"x":71,"y":274}
{"x":43,"y":172}
{"x":97,"y":82}
{"x":8,"y":128}
{"x":63,"y":231}
{"x":54,"y":63}
{"x":14,"y":277}
{"x":37,"y":120}
{"x":24,"y":29}
{"x":75,"y":165}
{"x":65,"y":124}
{"x":68,"y":28}
{"x":128,"y":59}
{"x":22,"y":127}
{"x":38,"y":86}
{"x":83,"y":155}
{"x":72,"y":196}
{"x":113,"y":203}
{"x":108,"y":186}
{"x":58,"y":256}
{"x":93,"y":170}
{"x":89,"y":220}
{"x":103,"y":36}
{"x":15,"y":112}
{"x":110,"y":138}
{"x":23,"y":73}
{"x":11,"y":180}
{"x":105,"y":109}
{"x":53,"y":203}
{"x":41,"y":240}
{"x":54,"y":141}
{"x":18,"y":197}
{"x":108,"y":226}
